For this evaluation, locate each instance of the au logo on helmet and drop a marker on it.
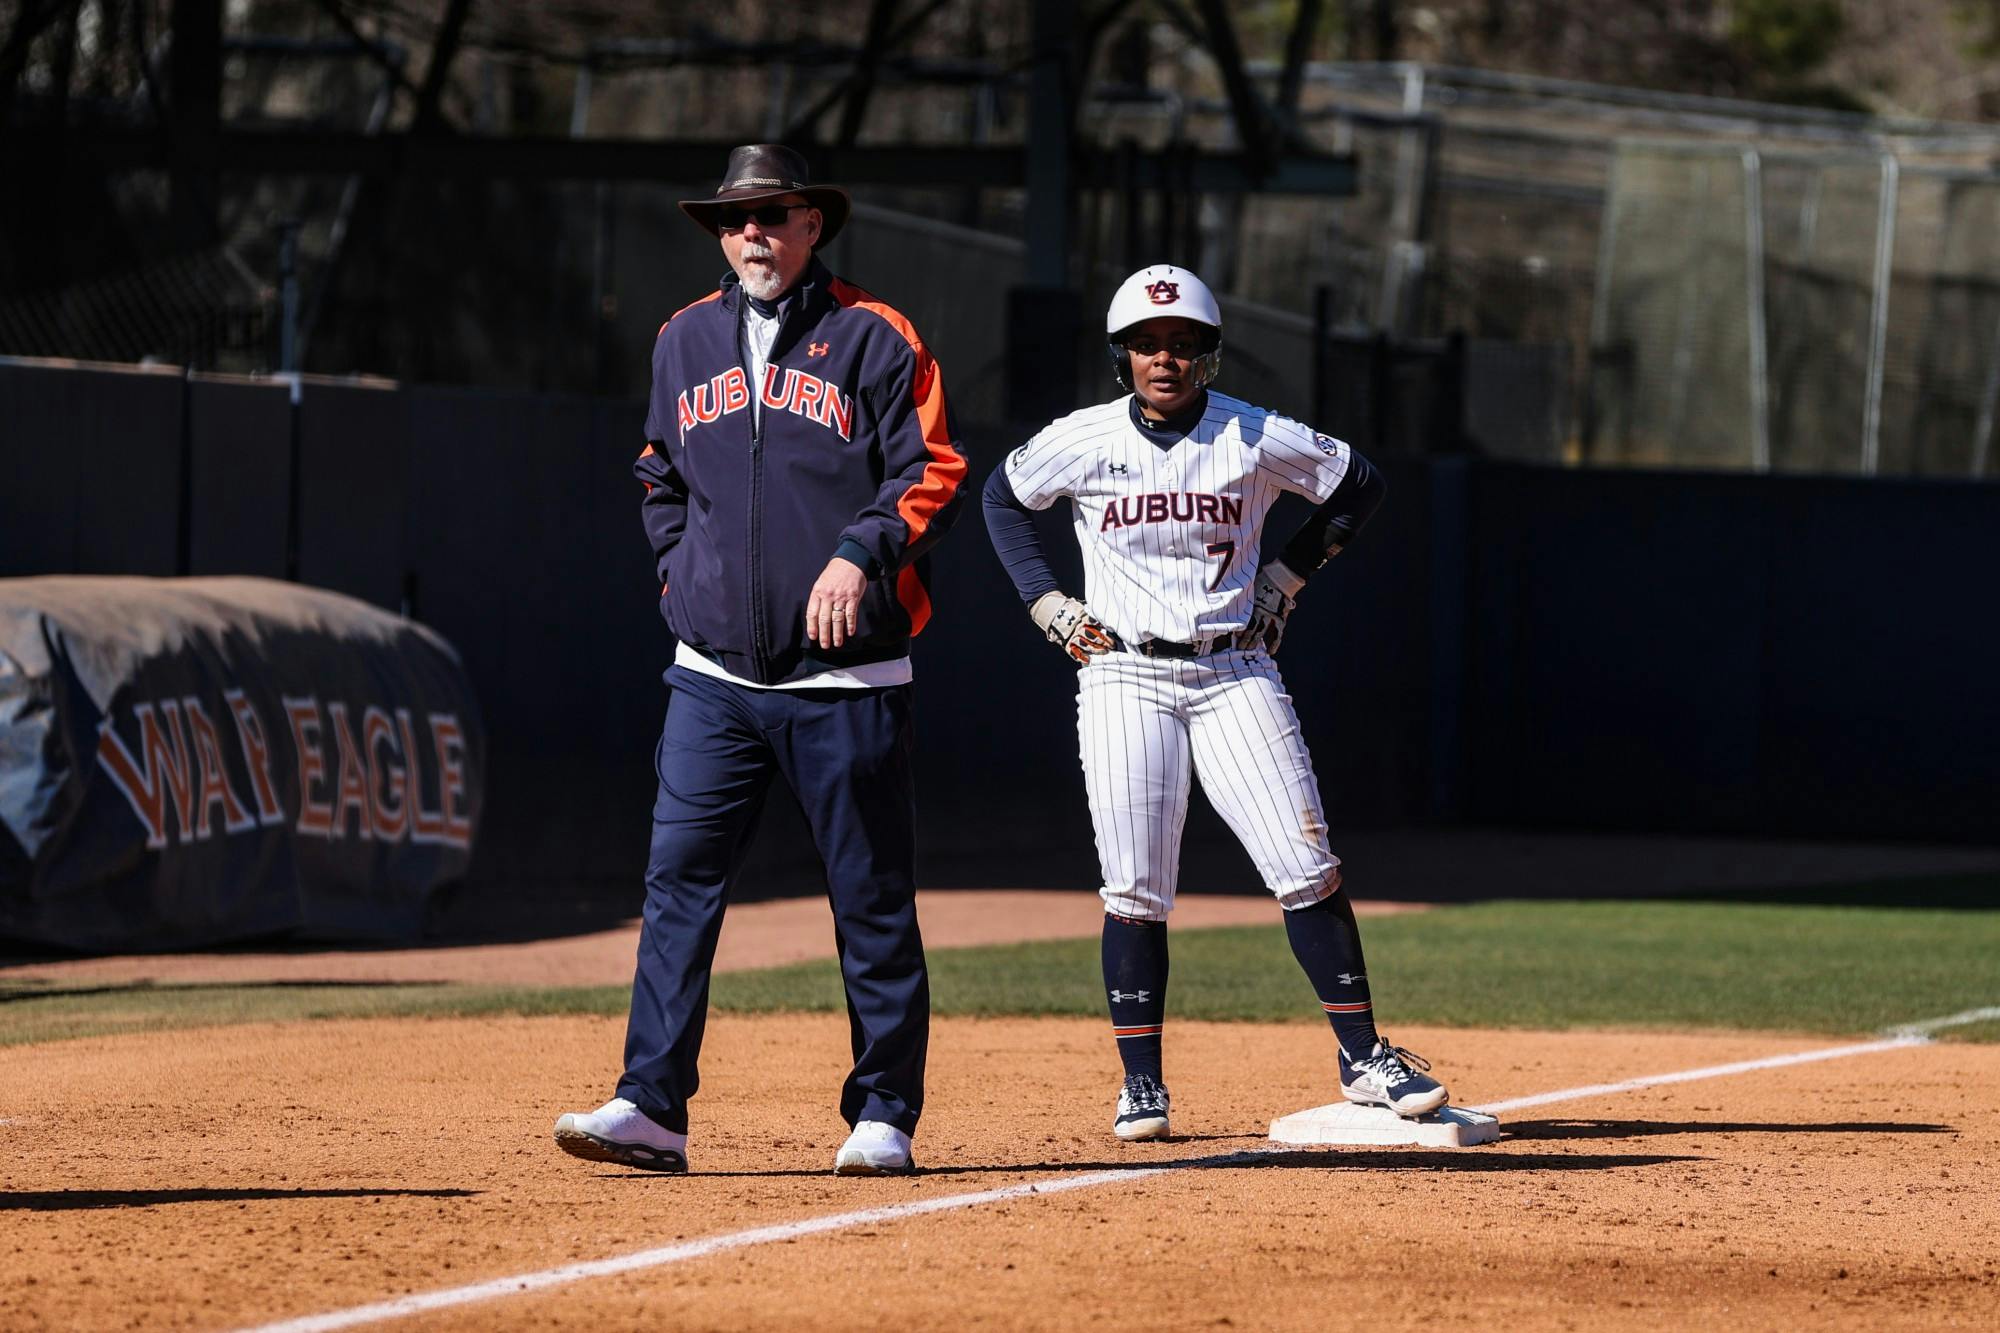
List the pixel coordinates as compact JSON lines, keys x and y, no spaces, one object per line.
{"x":1164,"y":292}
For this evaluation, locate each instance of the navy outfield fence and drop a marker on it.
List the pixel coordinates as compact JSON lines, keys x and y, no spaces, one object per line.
{"x":1509,"y":644}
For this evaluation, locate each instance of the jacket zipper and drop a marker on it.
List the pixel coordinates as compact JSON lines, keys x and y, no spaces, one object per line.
{"x":759,"y":647}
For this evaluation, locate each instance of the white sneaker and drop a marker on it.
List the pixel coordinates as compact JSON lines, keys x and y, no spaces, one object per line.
{"x":620,"y":1132}
{"x":874,"y":1149}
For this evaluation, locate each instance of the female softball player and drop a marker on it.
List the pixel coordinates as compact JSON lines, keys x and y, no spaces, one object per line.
{"x":1170,"y":486}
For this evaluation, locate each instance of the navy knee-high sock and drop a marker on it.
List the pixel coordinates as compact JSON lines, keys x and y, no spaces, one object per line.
{"x":1135,"y":981}
{"x":1327,"y":944}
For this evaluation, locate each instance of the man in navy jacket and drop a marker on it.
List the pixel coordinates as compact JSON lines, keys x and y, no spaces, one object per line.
{"x":799,"y":464}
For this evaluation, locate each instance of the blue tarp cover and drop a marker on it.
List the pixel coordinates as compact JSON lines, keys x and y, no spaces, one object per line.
{"x":186,"y":762}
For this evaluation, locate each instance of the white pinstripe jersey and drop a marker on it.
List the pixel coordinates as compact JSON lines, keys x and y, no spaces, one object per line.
{"x":1170,"y":536}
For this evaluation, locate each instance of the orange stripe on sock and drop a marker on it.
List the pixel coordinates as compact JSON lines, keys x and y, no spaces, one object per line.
{"x":1361,"y":1008}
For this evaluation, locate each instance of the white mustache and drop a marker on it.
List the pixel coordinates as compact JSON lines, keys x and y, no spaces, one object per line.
{"x":758,"y":251}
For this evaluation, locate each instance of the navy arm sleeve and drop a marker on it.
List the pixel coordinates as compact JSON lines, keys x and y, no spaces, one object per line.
{"x":1337,"y":522}
{"x":664,"y":510}
{"x":1015,"y":541}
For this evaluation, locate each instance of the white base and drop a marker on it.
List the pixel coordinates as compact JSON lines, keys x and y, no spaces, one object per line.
{"x":1346,"y":1122}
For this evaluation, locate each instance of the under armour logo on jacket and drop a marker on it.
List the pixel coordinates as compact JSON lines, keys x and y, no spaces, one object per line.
{"x":818,"y":349}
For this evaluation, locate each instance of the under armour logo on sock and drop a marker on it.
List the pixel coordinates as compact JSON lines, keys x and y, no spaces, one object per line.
{"x":1349,"y":978}
{"x":1140,"y":995}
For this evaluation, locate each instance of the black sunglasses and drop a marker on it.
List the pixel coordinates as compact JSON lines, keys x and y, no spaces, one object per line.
{"x":768,"y":215}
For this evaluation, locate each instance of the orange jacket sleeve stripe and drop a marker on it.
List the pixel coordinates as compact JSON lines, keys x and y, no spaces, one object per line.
{"x":946,"y":470}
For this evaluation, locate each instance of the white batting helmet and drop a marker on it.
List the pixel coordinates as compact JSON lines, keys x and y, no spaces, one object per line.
{"x":1154,"y":291}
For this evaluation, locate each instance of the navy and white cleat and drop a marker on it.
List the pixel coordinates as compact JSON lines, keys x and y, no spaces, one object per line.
{"x":1142,"y":1109}
{"x":1393,"y":1077}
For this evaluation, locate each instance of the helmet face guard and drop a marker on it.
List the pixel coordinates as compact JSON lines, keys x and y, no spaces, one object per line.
{"x":1164,"y":290}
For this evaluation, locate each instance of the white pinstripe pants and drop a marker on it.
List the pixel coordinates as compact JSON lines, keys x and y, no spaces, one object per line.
{"x":1146,"y":725}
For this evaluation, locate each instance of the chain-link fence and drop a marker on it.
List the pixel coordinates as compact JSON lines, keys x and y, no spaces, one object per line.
{"x":1827,"y":312}
{"x":1821,"y":224}
{"x":1942,"y":364}
{"x":1634,"y":278}
{"x":952,"y":282}
{"x":198,"y":309}
{"x":1734,"y":285}
{"x":1676,"y":339}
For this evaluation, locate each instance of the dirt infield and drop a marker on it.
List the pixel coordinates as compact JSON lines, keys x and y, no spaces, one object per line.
{"x":251,"y":1174}
{"x":226,"y":1178}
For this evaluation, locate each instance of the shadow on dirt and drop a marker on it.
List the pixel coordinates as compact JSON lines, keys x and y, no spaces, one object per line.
{"x":1305,"y":1159}
{"x":57,"y":1201}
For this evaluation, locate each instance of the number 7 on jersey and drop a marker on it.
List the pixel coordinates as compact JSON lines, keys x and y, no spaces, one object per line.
{"x":1227,"y":550}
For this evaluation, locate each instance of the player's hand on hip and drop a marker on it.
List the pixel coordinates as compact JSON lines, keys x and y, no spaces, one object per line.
{"x":834,"y":603}
{"x":1070,"y":626}
{"x":1272,"y":601}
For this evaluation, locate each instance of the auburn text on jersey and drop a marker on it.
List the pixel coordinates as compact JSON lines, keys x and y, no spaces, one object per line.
{"x":1176,"y":506}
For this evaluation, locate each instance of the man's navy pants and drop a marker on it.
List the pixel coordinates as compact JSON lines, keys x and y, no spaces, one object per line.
{"x":847,"y":756}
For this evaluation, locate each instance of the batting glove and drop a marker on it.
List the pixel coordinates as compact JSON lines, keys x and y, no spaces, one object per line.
{"x":1070,"y":626}
{"x":1272,"y":601}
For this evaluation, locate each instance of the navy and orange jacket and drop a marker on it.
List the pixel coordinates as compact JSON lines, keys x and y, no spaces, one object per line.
{"x":855,"y":457}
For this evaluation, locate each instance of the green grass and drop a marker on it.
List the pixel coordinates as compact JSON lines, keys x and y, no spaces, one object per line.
{"x":1517,"y":964}
{"x":1674,"y":965}
{"x":36,"y":1013}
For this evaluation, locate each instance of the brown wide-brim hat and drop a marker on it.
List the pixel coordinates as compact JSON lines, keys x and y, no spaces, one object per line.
{"x":765,"y":171}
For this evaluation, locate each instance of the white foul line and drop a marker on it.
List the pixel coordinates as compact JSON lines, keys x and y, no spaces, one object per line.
{"x":695,"y":1249}
{"x":1908,"y":1035}
{"x":1712,"y":1071}
{"x":1930,"y":1025}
